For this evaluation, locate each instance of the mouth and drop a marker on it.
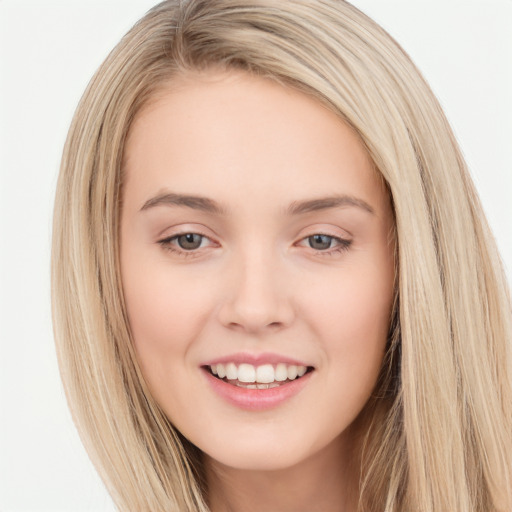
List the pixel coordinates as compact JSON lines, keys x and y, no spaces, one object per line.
{"x":266,"y":376}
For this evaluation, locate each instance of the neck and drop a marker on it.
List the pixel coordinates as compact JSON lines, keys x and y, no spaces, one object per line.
{"x":327,"y":481}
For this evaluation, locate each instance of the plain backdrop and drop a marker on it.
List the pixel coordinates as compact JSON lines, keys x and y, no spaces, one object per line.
{"x":48,"y":52}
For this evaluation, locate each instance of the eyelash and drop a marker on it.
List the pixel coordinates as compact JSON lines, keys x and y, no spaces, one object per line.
{"x":342,"y":244}
{"x":168,"y":245}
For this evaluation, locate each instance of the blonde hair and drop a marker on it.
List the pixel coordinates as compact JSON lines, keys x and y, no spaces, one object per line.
{"x":440,"y":434}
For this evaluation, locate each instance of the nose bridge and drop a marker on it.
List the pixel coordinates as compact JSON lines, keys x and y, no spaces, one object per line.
{"x":257,"y":298}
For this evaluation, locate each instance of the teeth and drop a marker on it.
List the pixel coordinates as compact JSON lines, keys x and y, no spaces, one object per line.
{"x":221,"y":371}
{"x":292,"y":372}
{"x":281,"y":372}
{"x":266,"y":375}
{"x":257,"y":386}
{"x":246,"y":373}
{"x":231,"y":371}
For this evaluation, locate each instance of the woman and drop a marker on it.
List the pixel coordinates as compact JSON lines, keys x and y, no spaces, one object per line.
{"x":274,"y":286}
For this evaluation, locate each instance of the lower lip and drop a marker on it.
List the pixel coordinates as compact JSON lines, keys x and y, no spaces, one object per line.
{"x":257,"y":399}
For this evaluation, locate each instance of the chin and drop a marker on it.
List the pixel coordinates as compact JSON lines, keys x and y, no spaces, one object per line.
{"x":256,"y":460}
{"x":265,"y":451}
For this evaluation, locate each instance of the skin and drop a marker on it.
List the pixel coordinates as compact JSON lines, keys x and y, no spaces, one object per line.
{"x":256,"y":284}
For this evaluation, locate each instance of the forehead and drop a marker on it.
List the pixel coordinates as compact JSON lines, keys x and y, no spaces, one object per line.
{"x":223,"y":132}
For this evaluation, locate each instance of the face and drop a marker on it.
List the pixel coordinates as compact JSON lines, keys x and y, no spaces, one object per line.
{"x":257,"y":267}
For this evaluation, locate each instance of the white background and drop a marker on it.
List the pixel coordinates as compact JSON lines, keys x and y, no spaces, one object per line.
{"x":48,"y":51}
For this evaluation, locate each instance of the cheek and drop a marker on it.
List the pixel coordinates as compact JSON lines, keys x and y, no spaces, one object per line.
{"x":152,"y":306}
{"x":352,"y":321}
{"x":166,"y":310}
{"x":355,"y":306}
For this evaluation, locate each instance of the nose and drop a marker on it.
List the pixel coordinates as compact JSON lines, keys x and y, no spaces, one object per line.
{"x":257,"y":298}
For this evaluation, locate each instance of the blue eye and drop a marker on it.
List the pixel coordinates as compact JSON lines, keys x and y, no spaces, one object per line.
{"x":326,"y":244}
{"x":320,"y":242}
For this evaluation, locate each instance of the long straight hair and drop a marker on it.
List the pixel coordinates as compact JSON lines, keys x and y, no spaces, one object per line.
{"x":440,"y":419}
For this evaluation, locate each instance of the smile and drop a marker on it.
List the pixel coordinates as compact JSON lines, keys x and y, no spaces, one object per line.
{"x":265,"y":376}
{"x":259,"y":386}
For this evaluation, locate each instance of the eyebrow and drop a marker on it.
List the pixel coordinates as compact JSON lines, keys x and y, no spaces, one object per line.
{"x":208,"y":205}
{"x":195,"y":202}
{"x":325,"y":203}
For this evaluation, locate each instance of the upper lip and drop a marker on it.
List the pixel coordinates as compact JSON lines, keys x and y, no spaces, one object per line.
{"x":255,"y":359}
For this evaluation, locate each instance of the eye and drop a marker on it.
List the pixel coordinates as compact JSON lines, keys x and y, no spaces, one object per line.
{"x":186,"y":243}
{"x":320,"y":242}
{"x":327,"y":244}
{"x":189,"y":241}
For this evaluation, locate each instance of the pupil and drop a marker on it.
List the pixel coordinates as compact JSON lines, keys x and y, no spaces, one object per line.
{"x":320,"y":242}
{"x":190,"y":241}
